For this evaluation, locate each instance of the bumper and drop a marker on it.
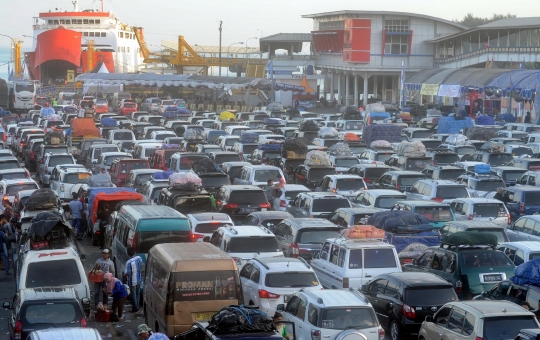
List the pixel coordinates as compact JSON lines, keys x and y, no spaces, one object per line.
{"x":410,"y":327}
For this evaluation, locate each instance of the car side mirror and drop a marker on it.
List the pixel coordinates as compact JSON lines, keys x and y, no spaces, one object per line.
{"x":82,"y":257}
{"x":206,"y":239}
{"x":429,"y":318}
{"x":363,"y":288}
{"x":280,"y":307}
{"x":6,"y":305}
{"x":389,"y":306}
{"x":408,"y":189}
{"x":414,"y":261}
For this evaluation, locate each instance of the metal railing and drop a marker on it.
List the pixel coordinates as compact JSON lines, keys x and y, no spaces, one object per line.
{"x":486,"y":51}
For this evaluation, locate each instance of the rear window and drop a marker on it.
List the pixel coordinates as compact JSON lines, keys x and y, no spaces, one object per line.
{"x":463,"y":150}
{"x":148,"y":239}
{"x":451,"y":174}
{"x":76,"y":178}
{"x":8,"y":165}
{"x":167,"y":102}
{"x":532,"y":198}
{"x":500,"y":159}
{"x":137,"y":165}
{"x":156,"y":101}
{"x":220,"y":159}
{"x":186,"y":162}
{"x":248,"y":149}
{"x":54,"y":161}
{"x":255,"y":244}
{"x":451,"y":192}
{"x":490,"y":185}
{"x":431,"y":144}
{"x":99,"y":151}
{"x":123,"y":136}
{"x":409,"y":180}
{"x":388,"y":202}
{"x":291,"y":280}
{"x":234,"y":171}
{"x":353,"y":184}
{"x":429,"y":296}
{"x":315,"y":175}
{"x":12,"y":190}
{"x":489,"y":210}
{"x":373,"y":258}
{"x":445,"y":158}
{"x":381,"y":157}
{"x":488,"y":258}
{"x":512,"y":175}
{"x":348,"y":318}
{"x":346,"y":162}
{"x":247,"y":197}
{"x":421,"y":134}
{"x":521,"y":151}
{"x":265,"y":175}
{"x":214,"y":181}
{"x":204,"y":285}
{"x":54,"y":123}
{"x":209,"y":228}
{"x":417,"y":164}
{"x":506,"y":327}
{"x":14,"y":175}
{"x":51,"y":313}
{"x":435,"y":214}
{"x":330,"y":204}
{"x":316,"y":235}
{"x":110,"y":159}
{"x":52,"y":274}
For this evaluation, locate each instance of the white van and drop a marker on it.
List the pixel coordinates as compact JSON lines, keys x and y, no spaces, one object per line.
{"x":351,"y":263}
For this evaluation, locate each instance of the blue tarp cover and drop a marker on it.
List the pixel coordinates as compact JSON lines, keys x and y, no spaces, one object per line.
{"x":390,"y":220}
{"x":527,"y":273}
{"x":401,"y":241}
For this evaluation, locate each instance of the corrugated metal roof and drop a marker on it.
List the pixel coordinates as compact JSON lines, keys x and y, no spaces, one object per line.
{"x":438,"y":78}
{"x":423,"y":75}
{"x":513,"y":23}
{"x":288,"y":37}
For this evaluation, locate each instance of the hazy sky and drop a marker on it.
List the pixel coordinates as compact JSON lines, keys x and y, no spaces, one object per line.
{"x":198,"y":20}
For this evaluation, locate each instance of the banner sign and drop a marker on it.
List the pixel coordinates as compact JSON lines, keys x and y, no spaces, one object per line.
{"x":430,"y":89}
{"x":449,"y":90}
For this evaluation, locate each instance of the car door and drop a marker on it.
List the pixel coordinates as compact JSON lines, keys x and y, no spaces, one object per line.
{"x":247,"y":284}
{"x":436,"y":328}
{"x":375,"y":294}
{"x":289,"y":314}
{"x":455,"y":325}
{"x":321,"y":265}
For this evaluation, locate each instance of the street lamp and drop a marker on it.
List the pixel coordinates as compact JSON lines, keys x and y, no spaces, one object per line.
{"x":202,"y":48}
{"x":261,"y":32}
{"x":236,"y":43}
{"x":11,"y":52}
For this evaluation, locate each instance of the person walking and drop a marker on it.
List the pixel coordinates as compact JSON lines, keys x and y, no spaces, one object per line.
{"x":107,"y":266}
{"x":3,"y":252}
{"x":76,"y":208}
{"x":116,"y":289}
{"x":133,"y":278}
{"x":528,"y":117}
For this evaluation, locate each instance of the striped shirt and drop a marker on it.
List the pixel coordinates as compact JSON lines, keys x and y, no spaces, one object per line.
{"x":132,"y":269}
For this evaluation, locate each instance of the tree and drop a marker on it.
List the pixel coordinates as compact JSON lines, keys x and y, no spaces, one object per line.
{"x":471,"y":21}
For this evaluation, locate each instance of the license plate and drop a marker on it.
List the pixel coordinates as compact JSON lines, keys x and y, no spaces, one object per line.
{"x":248,"y":210}
{"x":286,"y":298}
{"x":203,"y":316}
{"x":493,"y":278}
{"x":84,"y":176}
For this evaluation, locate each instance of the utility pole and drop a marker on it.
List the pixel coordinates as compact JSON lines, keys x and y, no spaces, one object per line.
{"x":220,"y":25}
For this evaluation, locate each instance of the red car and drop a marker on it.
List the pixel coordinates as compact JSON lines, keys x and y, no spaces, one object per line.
{"x":120,"y":169}
{"x":127,"y":108}
{"x":102,"y":106}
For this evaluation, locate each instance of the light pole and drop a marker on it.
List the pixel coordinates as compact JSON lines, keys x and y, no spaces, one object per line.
{"x":204,"y":56}
{"x":10,"y":52}
{"x":247,"y":53}
{"x":236,"y":43}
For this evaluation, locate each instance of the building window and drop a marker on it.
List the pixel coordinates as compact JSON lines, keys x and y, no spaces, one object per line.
{"x":91,"y":21}
{"x":103,"y":34}
{"x":62,"y":22}
{"x":396,"y":44}
{"x":79,"y":21}
{"x":55,"y":22}
{"x":50,"y":22}
{"x":85,"y":34}
{"x":97,"y":22}
{"x":332,"y":25}
{"x":121,"y":34}
{"x":85,"y":21}
{"x":91,"y":34}
{"x":396,"y":25}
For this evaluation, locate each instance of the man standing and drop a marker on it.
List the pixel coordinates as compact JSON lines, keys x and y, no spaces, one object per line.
{"x":76,"y":208}
{"x":107,"y":266}
{"x":133,"y":278}
{"x":3,"y":251}
{"x":269,"y":191}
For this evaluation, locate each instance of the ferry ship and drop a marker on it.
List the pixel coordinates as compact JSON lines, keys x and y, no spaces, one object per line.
{"x":67,"y":43}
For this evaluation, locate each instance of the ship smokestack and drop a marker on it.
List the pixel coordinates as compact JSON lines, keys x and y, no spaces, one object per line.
{"x":75,"y":6}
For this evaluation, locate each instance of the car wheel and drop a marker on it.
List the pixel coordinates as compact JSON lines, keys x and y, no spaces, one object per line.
{"x":394,"y":330}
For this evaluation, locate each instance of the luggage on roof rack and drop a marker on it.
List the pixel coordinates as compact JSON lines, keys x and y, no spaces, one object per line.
{"x":362,"y":232}
{"x":162,"y":175}
{"x":340,"y":149}
{"x":380,"y":145}
{"x":240,"y":319}
{"x":249,"y":137}
{"x":270,"y":145}
{"x":469,"y":238}
{"x":315,"y":157}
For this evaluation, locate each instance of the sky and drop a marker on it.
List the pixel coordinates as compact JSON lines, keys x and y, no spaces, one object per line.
{"x":198,"y":20}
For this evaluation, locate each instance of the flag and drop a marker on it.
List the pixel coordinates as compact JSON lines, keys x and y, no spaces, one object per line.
{"x":402,"y":84}
{"x":10,"y":74}
{"x":522,"y":65}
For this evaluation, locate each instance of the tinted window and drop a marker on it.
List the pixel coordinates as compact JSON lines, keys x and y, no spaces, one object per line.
{"x":54,"y":161}
{"x":486,"y":259}
{"x":76,"y":178}
{"x":506,"y":327}
{"x":347,"y":318}
{"x":374,"y":173}
{"x":350,"y":184}
{"x":148,"y":239}
{"x":291,"y":279}
{"x":8,"y":165}
{"x":445,"y":158}
{"x":429,"y":296}
{"x":252,"y":245}
{"x":315,"y":175}
{"x":451,"y":192}
{"x":99,"y":151}
{"x":379,"y":258}
{"x":110,"y":159}
{"x":532,"y":198}
{"x":417,"y":164}
{"x":291,"y":194}
{"x":512,"y":175}
{"x":409,"y":180}
{"x":138,"y":165}
{"x":12,"y":190}
{"x":491,"y":185}
{"x":388,"y":202}
{"x":123,"y":135}
{"x":14,"y":175}
{"x":219,"y":159}
{"x":346,"y":162}
{"x":224,"y":285}
{"x":247,"y":197}
{"x":462,"y":150}
{"x":451,"y":174}
{"x":316,"y":236}
{"x":323,"y":205}
{"x":52,"y":274}
{"x":209,"y":228}
{"x":186,"y":162}
{"x":501,"y":159}
{"x":489,"y":210}
{"x":381,"y":157}
{"x":51,"y":312}
{"x":435,"y":214}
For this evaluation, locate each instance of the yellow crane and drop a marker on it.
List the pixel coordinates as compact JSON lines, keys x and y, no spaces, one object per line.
{"x":18,"y":73}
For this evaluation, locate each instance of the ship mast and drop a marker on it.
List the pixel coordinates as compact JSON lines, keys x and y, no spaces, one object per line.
{"x":102,"y":7}
{"x":75,"y":6}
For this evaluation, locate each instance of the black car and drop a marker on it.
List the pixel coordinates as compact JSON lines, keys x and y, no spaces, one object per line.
{"x":311,"y":176}
{"x":398,"y":180}
{"x":267,"y":219}
{"x":403,"y":300}
{"x":369,"y":172}
{"x":238,"y":201}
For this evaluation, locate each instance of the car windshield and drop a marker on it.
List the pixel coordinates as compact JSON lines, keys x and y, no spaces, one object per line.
{"x":12,"y":190}
{"x":247,"y":197}
{"x":387,"y":202}
{"x":148,"y":151}
{"x":53,"y":273}
{"x":291,"y":280}
{"x":487,"y":258}
{"x":254,"y":244}
{"x":451,"y":174}
{"x":76,"y":178}
{"x":14,"y":175}
{"x":346,"y":162}
{"x":512,"y":175}
{"x":451,"y":192}
{"x":316,"y":235}
{"x":56,"y":150}
{"x":315,"y":175}
{"x":490,"y":185}
{"x":209,"y":228}
{"x":350,"y":184}
{"x":123,"y":136}
{"x":507,"y":327}
{"x":489,"y":210}
{"x":429,"y":296}
{"x":220,"y":159}
{"x":348,"y":318}
{"x":265,"y":175}
{"x":148,"y":239}
{"x":291,"y":194}
{"x":231,"y":141}
{"x":142,"y":178}
{"x":464,"y":150}
{"x":435,"y":214}
{"x":51,"y":312}
{"x":409,"y":180}
{"x":532,"y":198}
{"x":8,"y":165}
{"x":99,"y":151}
{"x":215,"y":181}
{"x":330,"y":204}
{"x":381,"y":157}
{"x":21,"y":87}
{"x":110,"y":159}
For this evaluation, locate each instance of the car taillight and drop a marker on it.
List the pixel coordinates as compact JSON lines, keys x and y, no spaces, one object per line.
{"x":470,"y":217}
{"x":27,"y":174}
{"x":134,"y":242}
{"x":194,"y":237}
{"x":345,"y":282}
{"x":478,"y":338}
{"x":263,"y":294}
{"x":83,"y":322}
{"x":408,"y":311}
{"x":367,"y":180}
{"x":231,"y":206}
{"x":437,"y":199}
{"x":459,"y":287}
{"x":265,"y":205}
{"x":5,"y":198}
{"x":21,"y":143}
{"x":315,"y":334}
{"x":283,"y":204}
{"x":434,"y":162}
{"x":17,"y":330}
{"x":398,"y":187}
{"x":381,"y":333}
{"x":32,"y":154}
{"x":509,"y":218}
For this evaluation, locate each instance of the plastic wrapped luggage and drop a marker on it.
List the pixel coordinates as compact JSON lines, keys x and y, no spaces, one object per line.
{"x":274,"y":106}
{"x":108,"y":122}
{"x":99,"y":181}
{"x":249,"y":137}
{"x":161,"y":175}
{"x":194,"y":134}
{"x":308,"y":125}
{"x":54,"y":118}
{"x":296,"y":145}
{"x":170,"y":114}
{"x":380,"y":144}
{"x":452,"y":125}
{"x":327,"y":132}
{"x":271,"y":121}
{"x":42,"y":199}
{"x":387,"y":132}
{"x":46,"y":111}
{"x":185,"y":180}
{"x":349,"y":136}
{"x":457,"y":139}
{"x":240,"y":319}
{"x":482,"y":169}
{"x":362,"y":231}
{"x":270,"y":146}
{"x":481,"y":133}
{"x":54,"y":137}
{"x":317,"y":157}
{"x":375,"y":107}
{"x":340,"y":149}
{"x":411,"y":149}
{"x":527,"y":273}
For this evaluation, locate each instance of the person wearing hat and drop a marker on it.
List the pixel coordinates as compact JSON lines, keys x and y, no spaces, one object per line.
{"x":107,"y":266}
{"x":144,"y":332}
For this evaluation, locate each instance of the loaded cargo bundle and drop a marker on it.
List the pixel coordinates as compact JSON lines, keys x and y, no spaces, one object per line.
{"x":493,"y":147}
{"x":361,"y":232}
{"x":340,"y":149}
{"x":54,"y":137}
{"x":411,"y":149}
{"x":293,"y":112}
{"x":308,"y":125}
{"x":185,"y":180}
{"x":485,"y":120}
{"x":240,"y":319}
{"x":317,"y":157}
{"x":481,"y":133}
{"x":42,"y":199}
{"x":380,"y":145}
{"x":375,"y":107}
{"x":49,"y":234}
{"x":297,"y":145}
{"x":108,"y":122}
{"x":46,"y":111}
{"x":194,"y":134}
{"x":270,"y":145}
{"x":400,"y":221}
{"x":271,"y":121}
{"x":470,"y":238}
{"x":457,"y":139}
{"x":54,"y":118}
{"x":527,"y":273}
{"x":349,"y":136}
{"x":161,"y":175}
{"x":327,"y":132}
{"x":482,"y":169}
{"x":387,"y":132}
{"x":351,"y":112}
{"x":452,"y":125}
{"x":204,"y":165}
{"x":249,"y":137}
{"x":275,"y":106}
{"x":227,"y":115}
{"x":84,"y":127}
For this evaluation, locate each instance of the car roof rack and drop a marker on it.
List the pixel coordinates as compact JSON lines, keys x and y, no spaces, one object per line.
{"x":446,"y":245}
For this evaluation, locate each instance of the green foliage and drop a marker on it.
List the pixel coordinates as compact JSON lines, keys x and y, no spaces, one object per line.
{"x":471,"y":21}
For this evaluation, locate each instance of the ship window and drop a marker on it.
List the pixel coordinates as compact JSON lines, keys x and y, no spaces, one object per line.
{"x":103,"y":34}
{"x":85,"y":21}
{"x":97,"y":22}
{"x":50,"y":22}
{"x":128,"y":49}
{"x":91,"y":34}
{"x":85,"y":34}
{"x":62,"y":22}
{"x":56,"y":22}
{"x":68,"y":21}
{"x":79,"y":21}
{"x":121,"y":34}
{"x":91,"y":21}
